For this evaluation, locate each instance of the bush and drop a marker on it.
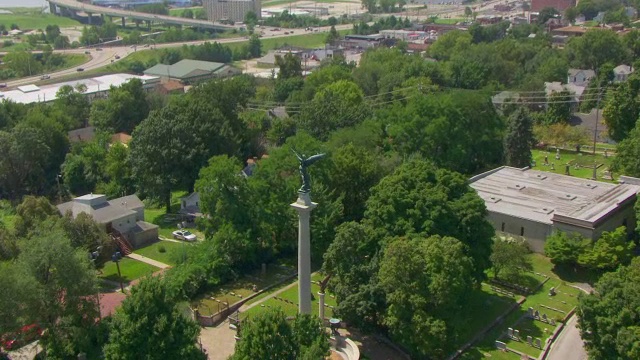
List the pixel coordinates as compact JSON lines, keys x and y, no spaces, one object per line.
{"x":162,"y":249}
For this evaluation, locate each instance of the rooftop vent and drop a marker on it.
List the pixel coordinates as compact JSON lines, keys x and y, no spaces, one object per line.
{"x":544,"y":210}
{"x":591,"y":185}
{"x":493,"y":199}
{"x":568,"y":197}
{"x":541,"y":176}
{"x":516,"y":187}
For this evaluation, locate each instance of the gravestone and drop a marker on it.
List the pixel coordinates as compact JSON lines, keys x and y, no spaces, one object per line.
{"x":510,"y":332}
{"x":553,"y":166}
{"x":557,"y":154}
{"x":529,"y":340}
{"x":544,"y":318}
{"x":537,"y":314}
{"x":552,"y":291}
{"x":566,"y":170}
{"x":500,"y":345}
{"x":516,"y":334}
{"x":539,"y":343}
{"x":530,"y":314}
{"x":553,"y":322}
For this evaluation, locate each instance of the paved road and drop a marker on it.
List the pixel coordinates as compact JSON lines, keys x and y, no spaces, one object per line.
{"x":569,"y":344}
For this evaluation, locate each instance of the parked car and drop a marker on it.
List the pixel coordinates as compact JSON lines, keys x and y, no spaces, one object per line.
{"x":98,"y":49}
{"x":80,"y":69}
{"x":3,"y":85}
{"x":87,"y":52}
{"x":45,"y":77}
{"x":117,"y":57}
{"x":184,"y":235}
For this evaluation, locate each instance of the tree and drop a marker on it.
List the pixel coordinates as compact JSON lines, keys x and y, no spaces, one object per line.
{"x":187,"y":13}
{"x":74,"y":103}
{"x":150,"y":323}
{"x":418,"y":198}
{"x":250,"y":17}
{"x":595,"y":48}
{"x":561,"y":135}
{"x":622,"y":109}
{"x":118,"y":171}
{"x":123,"y":110}
{"x":546,"y":14}
{"x":565,"y":248}
{"x":85,"y":234}
{"x":335,"y":106}
{"x":611,"y":250}
{"x":61,"y":285}
{"x":558,"y":108}
{"x":32,"y":211}
{"x":627,"y":159}
{"x":509,"y":258}
{"x":608,"y":315}
{"x":255,"y":47}
{"x":519,"y":139}
{"x":23,"y":63}
{"x":426,"y":281}
{"x":467,"y":13}
{"x":289,"y":66}
{"x":570,"y":14}
{"x":332,"y":36}
{"x":269,"y":336}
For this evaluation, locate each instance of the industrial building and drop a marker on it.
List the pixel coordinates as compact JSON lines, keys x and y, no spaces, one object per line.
{"x":191,"y":71}
{"x":533,"y":204}
{"x":233,"y":10}
{"x":96,"y":87}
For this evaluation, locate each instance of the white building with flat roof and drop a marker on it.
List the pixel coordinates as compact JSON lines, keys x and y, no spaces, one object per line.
{"x":96,"y":87}
{"x":533,"y":204}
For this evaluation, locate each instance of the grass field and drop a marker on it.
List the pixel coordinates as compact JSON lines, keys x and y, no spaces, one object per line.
{"x":241,"y":288}
{"x":584,"y":160}
{"x":172,"y":251}
{"x":179,"y":11}
{"x":566,"y":298}
{"x":29,"y":19}
{"x":129,"y":268}
{"x":291,"y":294}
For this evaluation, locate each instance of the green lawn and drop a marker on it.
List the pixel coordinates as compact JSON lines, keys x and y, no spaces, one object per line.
{"x":566,"y":298}
{"x":179,"y":11}
{"x":7,"y":214}
{"x":168,"y":223}
{"x":130,"y":270}
{"x":34,"y":20}
{"x":240,"y":288}
{"x":291,"y":294}
{"x":172,"y":251}
{"x":584,"y":160}
{"x":448,"y":21}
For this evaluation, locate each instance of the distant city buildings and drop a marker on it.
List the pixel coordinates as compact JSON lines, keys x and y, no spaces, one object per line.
{"x":233,"y":10}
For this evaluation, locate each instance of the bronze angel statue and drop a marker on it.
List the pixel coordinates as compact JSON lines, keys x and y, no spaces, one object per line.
{"x":305,"y":162}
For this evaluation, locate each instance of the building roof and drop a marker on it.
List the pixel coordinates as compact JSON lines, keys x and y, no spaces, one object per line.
{"x":121,"y":137}
{"x":623,"y":70}
{"x":82,"y":134}
{"x":100,"y":209}
{"x":587,"y":73}
{"x":32,"y":93}
{"x":546,"y":197}
{"x":184,"y":69}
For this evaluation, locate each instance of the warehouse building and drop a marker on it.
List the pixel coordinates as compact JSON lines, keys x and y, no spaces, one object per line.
{"x":234,"y":10}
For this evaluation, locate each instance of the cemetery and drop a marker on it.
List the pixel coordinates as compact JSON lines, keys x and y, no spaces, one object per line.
{"x":580,"y":163}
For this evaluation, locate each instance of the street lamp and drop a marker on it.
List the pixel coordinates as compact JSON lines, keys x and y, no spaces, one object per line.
{"x":93,"y":256}
{"x":116,"y":257}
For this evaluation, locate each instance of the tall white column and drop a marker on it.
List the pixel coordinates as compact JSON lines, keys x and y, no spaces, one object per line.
{"x":304,"y":206}
{"x":321,"y":306}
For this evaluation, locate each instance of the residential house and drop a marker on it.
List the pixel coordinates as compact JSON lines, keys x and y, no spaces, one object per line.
{"x":121,"y":218}
{"x":190,"y":204}
{"x":533,"y":204}
{"x":621,"y":73}
{"x":580,"y":77}
{"x":122,"y":138}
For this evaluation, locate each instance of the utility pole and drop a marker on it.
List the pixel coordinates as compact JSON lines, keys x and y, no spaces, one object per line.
{"x":595,"y":131}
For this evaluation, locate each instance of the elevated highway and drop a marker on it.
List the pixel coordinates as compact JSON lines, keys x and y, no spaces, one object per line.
{"x":55,"y":5}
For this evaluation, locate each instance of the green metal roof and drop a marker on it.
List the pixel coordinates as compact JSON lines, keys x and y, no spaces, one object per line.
{"x":184,"y":69}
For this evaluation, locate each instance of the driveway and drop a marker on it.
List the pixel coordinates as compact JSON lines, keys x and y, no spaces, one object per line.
{"x":569,"y":344}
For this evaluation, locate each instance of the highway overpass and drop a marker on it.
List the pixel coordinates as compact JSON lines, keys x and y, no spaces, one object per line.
{"x":58,"y":5}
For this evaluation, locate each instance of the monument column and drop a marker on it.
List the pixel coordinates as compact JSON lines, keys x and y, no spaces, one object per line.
{"x":304,"y":206}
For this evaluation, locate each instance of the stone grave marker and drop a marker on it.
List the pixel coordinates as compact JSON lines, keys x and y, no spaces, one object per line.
{"x":516,"y":334}
{"x":537,"y":314}
{"x":510,"y":332}
{"x":539,"y":343}
{"x":544,"y":317}
{"x":529,"y":340}
{"x":553,"y":322}
{"x":530,"y":314}
{"x":500,"y":345}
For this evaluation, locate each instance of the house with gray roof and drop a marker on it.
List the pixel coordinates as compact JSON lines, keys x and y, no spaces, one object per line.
{"x":533,"y":204}
{"x":124,"y":215}
{"x":621,"y":73}
{"x":580,"y":77}
{"x":191,"y":71}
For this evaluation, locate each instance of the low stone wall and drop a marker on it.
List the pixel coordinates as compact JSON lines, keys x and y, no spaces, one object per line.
{"x":346,"y":347}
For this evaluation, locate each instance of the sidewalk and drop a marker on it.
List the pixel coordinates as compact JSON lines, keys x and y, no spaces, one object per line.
{"x":149,"y":261}
{"x":244,"y":308}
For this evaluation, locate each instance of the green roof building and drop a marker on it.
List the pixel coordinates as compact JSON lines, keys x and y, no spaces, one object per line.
{"x":192,"y":71}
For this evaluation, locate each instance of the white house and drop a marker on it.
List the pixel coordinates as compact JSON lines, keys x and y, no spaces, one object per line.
{"x":622,"y":72}
{"x":190,"y":204}
{"x":125,"y":215}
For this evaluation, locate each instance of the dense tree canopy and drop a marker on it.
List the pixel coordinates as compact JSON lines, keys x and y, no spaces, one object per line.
{"x":608,"y":317}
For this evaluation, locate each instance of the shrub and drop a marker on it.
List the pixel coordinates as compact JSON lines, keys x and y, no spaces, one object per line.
{"x":162,"y":249}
